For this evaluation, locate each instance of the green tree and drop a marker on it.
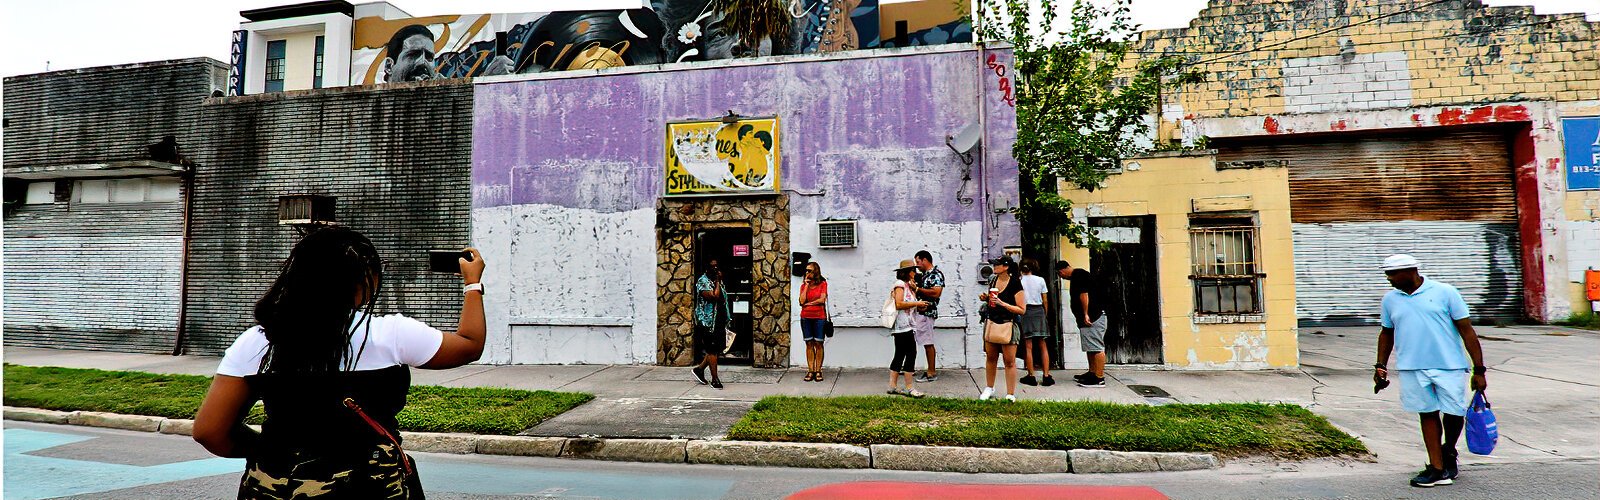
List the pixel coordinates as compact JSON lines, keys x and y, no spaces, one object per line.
{"x":1080,"y":109}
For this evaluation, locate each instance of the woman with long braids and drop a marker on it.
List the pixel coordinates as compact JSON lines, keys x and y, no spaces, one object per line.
{"x":331,"y":375}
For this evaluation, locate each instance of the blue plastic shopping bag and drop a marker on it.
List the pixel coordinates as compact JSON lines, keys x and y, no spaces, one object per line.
{"x":1482,"y":432}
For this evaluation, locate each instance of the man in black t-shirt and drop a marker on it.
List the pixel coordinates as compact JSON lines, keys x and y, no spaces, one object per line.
{"x":1087,"y":297}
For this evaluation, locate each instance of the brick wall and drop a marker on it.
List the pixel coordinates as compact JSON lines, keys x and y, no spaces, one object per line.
{"x":93,"y":276}
{"x":397,"y":160}
{"x":1378,"y":54}
{"x":96,"y":276}
{"x":104,"y":114}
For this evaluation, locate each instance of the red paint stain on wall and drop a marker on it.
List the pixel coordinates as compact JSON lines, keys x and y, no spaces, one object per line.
{"x":1552,"y":166}
{"x":1528,"y":221}
{"x":1511,"y":114}
{"x":1455,"y":116}
{"x":1416,"y":119}
{"x":1271,"y":124}
{"x":1340,"y":125}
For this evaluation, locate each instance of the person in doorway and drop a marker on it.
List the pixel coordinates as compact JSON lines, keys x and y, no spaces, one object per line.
{"x":1430,"y":324}
{"x":711,"y":320}
{"x":929,"y":286}
{"x":905,"y":345}
{"x":1086,"y":294}
{"x":331,"y":375}
{"x":813,"y":318}
{"x":1007,"y":303}
{"x":1035,"y":330}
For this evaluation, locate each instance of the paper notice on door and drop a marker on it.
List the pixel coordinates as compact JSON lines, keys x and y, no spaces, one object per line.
{"x":741,"y":307}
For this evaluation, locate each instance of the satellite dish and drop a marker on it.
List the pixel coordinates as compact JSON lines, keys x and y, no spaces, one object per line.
{"x":965,"y":140}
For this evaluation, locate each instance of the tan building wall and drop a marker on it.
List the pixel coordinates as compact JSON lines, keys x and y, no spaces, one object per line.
{"x":1283,"y":67}
{"x":1173,"y":187}
{"x":300,"y":56}
{"x":920,"y":15}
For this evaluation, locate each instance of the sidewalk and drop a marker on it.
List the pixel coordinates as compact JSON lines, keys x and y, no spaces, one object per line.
{"x":1547,"y":410}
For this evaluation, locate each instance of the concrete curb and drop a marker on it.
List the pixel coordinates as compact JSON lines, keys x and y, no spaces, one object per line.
{"x":1103,"y":461}
{"x":973,"y":460}
{"x":752,"y":453}
{"x":39,"y":415}
{"x":762,"y":453}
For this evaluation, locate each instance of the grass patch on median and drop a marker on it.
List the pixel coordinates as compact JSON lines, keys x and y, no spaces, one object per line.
{"x":1584,"y":320}
{"x":428,"y":408}
{"x":1230,"y":430}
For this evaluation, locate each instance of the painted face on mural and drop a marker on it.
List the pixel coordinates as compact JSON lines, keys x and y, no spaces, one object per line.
{"x":410,"y":56}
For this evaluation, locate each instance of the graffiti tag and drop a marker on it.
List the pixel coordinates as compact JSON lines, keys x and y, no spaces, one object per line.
{"x":1005,"y":82}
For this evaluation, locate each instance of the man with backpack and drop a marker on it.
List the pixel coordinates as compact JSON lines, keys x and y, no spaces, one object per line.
{"x":1428,"y":321}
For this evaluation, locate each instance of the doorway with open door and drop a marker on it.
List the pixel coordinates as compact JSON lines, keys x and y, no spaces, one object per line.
{"x":730,"y":248}
{"x":1126,"y":267}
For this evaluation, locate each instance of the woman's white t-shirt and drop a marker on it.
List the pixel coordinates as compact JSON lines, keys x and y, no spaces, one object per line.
{"x":1033,"y":289}
{"x":395,"y":340}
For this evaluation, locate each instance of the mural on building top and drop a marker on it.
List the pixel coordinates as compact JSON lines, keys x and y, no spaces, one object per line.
{"x":716,"y":157}
{"x":459,"y":46}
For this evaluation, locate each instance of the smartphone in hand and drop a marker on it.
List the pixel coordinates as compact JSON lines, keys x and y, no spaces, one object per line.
{"x":445,"y":261}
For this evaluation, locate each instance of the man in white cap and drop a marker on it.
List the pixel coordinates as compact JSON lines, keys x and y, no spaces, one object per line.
{"x":1430,"y":324}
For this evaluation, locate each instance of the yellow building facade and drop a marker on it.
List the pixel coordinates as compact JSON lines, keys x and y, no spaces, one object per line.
{"x":1186,"y":193}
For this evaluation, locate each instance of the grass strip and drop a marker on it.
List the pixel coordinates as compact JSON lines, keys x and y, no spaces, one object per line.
{"x":428,"y":408}
{"x":1230,"y":430}
{"x":1585,"y":320}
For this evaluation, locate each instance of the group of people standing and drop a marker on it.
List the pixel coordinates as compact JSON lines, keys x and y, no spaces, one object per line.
{"x":1015,"y":308}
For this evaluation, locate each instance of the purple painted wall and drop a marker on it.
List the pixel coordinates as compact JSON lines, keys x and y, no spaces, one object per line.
{"x":868,"y":131}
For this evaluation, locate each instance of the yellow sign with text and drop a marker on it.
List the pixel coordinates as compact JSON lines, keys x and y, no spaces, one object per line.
{"x":714,"y":157}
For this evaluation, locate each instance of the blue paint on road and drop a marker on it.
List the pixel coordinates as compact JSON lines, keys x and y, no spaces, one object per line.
{"x":29,"y":477}
{"x":485,"y":479}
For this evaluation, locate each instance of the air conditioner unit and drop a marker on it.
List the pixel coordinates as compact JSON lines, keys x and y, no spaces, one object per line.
{"x":305,"y":209}
{"x":836,"y":234}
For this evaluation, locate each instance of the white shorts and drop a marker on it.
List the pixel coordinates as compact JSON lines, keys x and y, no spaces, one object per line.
{"x":1427,"y":391}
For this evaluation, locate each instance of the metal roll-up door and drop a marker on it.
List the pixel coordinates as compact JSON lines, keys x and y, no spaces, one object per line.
{"x":1446,"y":197}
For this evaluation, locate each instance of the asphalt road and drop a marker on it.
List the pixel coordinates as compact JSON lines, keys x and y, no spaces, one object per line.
{"x":47,"y":461}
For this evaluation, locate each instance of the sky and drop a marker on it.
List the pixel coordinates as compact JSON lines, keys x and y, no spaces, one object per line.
{"x":67,"y":34}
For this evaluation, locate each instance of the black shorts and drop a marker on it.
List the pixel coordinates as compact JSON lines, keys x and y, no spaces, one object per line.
{"x":709,"y":340}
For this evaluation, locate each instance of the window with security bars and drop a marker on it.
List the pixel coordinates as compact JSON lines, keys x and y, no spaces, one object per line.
{"x":1224,"y":266}
{"x":836,"y":234}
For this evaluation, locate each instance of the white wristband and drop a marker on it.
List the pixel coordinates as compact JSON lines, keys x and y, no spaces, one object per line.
{"x":475,"y":286}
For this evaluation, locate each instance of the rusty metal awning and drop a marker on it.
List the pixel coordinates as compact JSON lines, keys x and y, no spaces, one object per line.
{"x":128,"y":168}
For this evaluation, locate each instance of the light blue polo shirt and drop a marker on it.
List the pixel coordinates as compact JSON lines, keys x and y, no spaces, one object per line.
{"x":1425,"y":335}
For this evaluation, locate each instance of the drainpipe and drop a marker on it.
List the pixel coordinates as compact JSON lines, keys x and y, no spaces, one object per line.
{"x":983,"y":178}
{"x":183,"y":265}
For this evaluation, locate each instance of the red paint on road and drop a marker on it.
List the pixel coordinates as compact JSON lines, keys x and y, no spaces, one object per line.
{"x":1271,"y":124}
{"x":925,"y":491}
{"x":1511,"y":114}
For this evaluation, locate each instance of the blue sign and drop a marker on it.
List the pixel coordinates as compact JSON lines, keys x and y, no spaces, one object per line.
{"x":1583,"y":152}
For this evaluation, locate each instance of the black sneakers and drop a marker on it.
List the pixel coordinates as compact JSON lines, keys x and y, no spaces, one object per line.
{"x":1048,"y":381}
{"x":1452,"y":467}
{"x":1092,"y":381}
{"x":1430,"y":477}
{"x":716,"y":384}
{"x":1081,"y":376}
{"x":700,"y":374}
{"x":1028,"y":380}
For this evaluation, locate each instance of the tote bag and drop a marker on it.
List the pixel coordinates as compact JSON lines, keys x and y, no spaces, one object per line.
{"x":1482,"y":431}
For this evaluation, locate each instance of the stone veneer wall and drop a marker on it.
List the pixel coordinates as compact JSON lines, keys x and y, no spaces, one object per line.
{"x":677,"y":220}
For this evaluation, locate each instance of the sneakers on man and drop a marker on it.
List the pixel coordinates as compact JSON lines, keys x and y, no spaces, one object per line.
{"x":1028,"y":380}
{"x":1452,"y":464}
{"x":1430,"y":477}
{"x":700,"y":374}
{"x":1048,"y":381}
{"x":1079,"y":377}
{"x":924,"y":377}
{"x":1095,"y":382}
{"x":988,"y":392}
{"x":895,"y":391}
{"x":913,"y":393}
{"x":716,"y":384}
